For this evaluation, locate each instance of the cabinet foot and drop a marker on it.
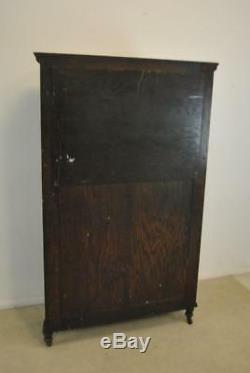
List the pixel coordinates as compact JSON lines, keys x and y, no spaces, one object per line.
{"x":189,"y":314}
{"x":47,"y":335}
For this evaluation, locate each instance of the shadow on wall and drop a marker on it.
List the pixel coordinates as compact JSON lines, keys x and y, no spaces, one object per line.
{"x":23,"y":268}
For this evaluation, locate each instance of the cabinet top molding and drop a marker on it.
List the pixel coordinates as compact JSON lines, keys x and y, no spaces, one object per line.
{"x":124,"y":62}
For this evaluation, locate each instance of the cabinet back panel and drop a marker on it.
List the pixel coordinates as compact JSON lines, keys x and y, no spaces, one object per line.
{"x":124,"y":150}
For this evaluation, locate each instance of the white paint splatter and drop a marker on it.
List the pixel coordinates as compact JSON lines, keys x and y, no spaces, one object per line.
{"x":70,"y":159}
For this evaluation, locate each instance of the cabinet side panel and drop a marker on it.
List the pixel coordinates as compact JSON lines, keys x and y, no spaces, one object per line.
{"x":198,"y":190}
{"x":50,"y":207}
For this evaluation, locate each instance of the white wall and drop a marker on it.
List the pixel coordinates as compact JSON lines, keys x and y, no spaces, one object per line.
{"x":209,"y":30}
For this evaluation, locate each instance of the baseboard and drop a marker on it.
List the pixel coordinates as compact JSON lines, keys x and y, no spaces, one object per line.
{"x":209,"y":276}
{"x":4,"y":304}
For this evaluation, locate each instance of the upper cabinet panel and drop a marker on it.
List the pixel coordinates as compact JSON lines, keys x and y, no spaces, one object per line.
{"x":127,"y":126}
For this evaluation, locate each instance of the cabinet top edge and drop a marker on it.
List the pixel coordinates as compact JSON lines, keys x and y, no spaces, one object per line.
{"x":61,"y":58}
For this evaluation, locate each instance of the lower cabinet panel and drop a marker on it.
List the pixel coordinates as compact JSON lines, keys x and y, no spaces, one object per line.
{"x":124,"y":247}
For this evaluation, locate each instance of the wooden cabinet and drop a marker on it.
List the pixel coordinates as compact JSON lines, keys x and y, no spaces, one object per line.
{"x":124,"y":149}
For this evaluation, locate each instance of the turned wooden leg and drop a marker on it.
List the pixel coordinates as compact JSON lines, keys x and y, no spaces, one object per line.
{"x":189,"y":314}
{"x":47,"y":334}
